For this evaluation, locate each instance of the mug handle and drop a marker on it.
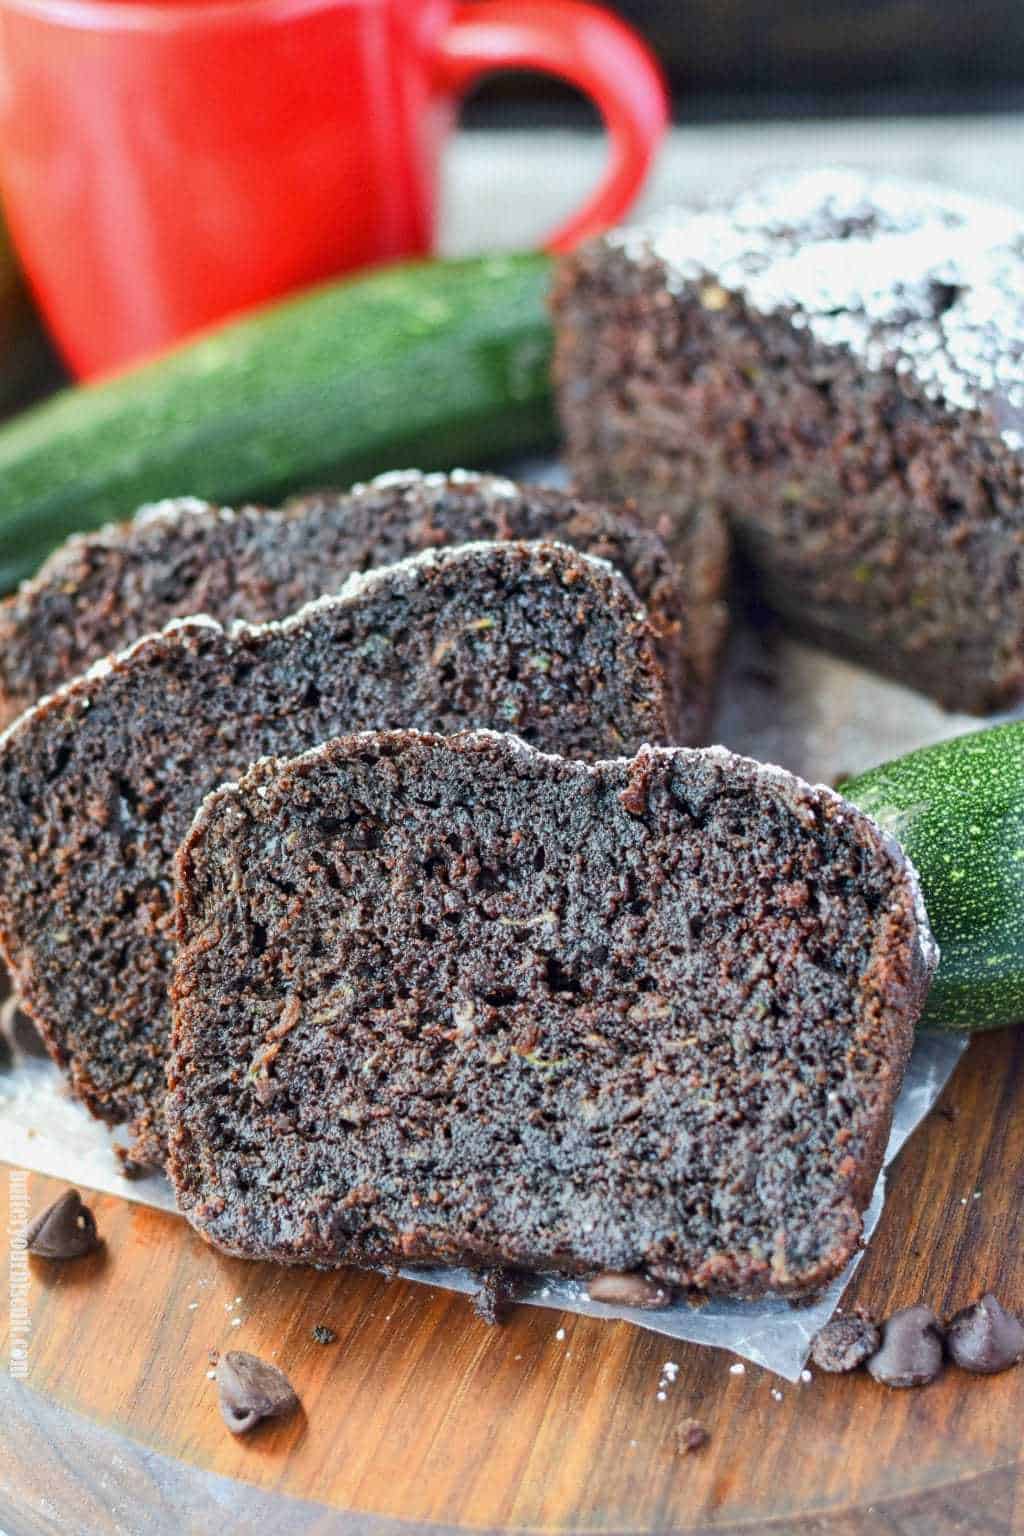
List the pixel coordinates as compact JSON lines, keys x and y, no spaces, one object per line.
{"x":591,"y":49}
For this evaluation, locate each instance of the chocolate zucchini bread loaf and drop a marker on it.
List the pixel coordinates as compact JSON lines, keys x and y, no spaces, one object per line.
{"x":101,"y":591}
{"x":837,"y":363}
{"x":99,"y":782}
{"x":457,"y":1001}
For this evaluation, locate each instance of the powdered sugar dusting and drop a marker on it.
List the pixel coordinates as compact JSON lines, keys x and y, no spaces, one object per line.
{"x":397,"y":479}
{"x":173,"y":508}
{"x":909,"y":277}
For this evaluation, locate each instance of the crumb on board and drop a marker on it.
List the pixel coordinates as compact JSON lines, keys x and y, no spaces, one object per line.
{"x":691,"y":1435}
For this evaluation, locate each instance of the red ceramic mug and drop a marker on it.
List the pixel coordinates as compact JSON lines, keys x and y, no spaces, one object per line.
{"x":164,"y":164}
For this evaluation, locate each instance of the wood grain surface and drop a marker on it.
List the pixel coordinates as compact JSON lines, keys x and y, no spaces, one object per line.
{"x":420,"y":1418}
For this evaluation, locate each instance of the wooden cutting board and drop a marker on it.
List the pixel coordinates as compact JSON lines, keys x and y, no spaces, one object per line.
{"x":420,"y":1418}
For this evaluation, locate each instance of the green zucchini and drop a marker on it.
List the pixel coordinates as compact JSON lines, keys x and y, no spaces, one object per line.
{"x":957,"y":810}
{"x":429,"y":363}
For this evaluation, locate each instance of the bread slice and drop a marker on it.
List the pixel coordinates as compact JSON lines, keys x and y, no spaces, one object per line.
{"x":100,"y":591}
{"x":458,"y":1001}
{"x":98,"y":783}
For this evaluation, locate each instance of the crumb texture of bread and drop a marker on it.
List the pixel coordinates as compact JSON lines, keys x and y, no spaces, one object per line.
{"x":101,"y":591}
{"x":457,"y":1001}
{"x":834,"y":363}
{"x":99,"y":783}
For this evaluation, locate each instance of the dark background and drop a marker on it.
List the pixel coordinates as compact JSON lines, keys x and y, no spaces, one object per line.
{"x":786,"y":58}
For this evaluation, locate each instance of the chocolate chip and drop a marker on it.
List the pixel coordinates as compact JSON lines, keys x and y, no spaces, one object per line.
{"x":250,"y":1390}
{"x":613,"y":1289}
{"x":65,"y":1230}
{"x":911,"y":1352}
{"x":323,"y":1334}
{"x":985,"y":1337}
{"x":844,"y":1344}
{"x":691,"y":1436}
